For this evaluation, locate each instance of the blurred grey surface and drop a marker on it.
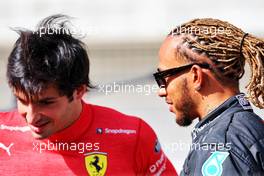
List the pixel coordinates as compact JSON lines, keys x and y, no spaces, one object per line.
{"x":123,"y":38}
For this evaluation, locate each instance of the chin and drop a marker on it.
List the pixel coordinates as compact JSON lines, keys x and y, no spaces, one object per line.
{"x":183,"y":121}
{"x":39,"y":136}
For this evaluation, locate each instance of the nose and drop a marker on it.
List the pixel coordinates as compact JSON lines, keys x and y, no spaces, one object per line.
{"x":31,"y":114}
{"x":162,"y":92}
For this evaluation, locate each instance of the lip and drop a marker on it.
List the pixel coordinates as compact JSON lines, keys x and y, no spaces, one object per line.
{"x":170,"y":107}
{"x":38,"y":128}
{"x":168,"y":101}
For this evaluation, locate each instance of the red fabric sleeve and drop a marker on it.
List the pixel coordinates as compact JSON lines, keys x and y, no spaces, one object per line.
{"x":150,"y":159}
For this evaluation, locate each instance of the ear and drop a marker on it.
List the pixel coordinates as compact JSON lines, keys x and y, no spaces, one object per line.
{"x":80,"y":91}
{"x":196,"y":77}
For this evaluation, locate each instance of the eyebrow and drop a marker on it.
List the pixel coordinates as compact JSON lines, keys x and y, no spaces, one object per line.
{"x":39,"y":100}
{"x":159,"y":70}
{"x":48,"y":99}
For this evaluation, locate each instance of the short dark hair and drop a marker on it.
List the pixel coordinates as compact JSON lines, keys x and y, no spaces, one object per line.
{"x":52,"y":57}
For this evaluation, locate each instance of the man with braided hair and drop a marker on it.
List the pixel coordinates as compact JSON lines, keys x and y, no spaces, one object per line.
{"x":199,"y":69}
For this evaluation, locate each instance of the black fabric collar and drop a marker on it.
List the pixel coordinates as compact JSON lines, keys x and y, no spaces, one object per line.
{"x":230,"y":102}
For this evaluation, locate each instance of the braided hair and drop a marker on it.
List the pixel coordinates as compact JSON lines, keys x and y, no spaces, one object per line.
{"x":228,"y":47}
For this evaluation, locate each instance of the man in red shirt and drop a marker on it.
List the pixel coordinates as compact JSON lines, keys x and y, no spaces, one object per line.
{"x":54,"y":132}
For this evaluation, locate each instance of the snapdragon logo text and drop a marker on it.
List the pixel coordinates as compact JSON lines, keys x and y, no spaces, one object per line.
{"x":80,"y":147}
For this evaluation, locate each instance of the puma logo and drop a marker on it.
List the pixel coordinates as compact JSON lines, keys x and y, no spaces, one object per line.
{"x":22,"y":129}
{"x":7,"y":149}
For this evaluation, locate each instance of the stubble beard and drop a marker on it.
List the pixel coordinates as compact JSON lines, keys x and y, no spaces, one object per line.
{"x":185,"y":106}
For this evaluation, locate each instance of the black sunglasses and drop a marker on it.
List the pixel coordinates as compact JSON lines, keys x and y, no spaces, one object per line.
{"x":161,"y":75}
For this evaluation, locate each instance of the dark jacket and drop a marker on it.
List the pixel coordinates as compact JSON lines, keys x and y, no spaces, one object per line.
{"x":229,"y":141}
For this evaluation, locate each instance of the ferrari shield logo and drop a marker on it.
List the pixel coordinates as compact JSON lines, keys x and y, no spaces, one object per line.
{"x":96,"y":163}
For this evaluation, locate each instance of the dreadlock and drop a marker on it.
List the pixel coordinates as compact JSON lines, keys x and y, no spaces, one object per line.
{"x":228,"y":47}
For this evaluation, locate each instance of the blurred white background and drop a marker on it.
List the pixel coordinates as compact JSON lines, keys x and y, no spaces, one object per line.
{"x":123,"y":38}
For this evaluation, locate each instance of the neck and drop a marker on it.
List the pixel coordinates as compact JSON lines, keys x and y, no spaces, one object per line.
{"x":76,"y":130}
{"x":212,"y":101}
{"x":78,"y":110}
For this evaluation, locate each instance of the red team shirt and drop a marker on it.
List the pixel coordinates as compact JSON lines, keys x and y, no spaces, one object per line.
{"x":101,"y":142}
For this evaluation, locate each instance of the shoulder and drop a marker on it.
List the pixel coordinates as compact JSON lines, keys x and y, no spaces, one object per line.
{"x":109,"y":115}
{"x":115,"y":122}
{"x":246,"y":130}
{"x":111,"y":118}
{"x":6,"y":114}
{"x":241,"y":129}
{"x":10,"y":117}
{"x":246,"y":135}
{"x":9,"y":113}
{"x":247,"y":124}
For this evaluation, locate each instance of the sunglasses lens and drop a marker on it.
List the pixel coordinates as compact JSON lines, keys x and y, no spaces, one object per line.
{"x":161,"y":82}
